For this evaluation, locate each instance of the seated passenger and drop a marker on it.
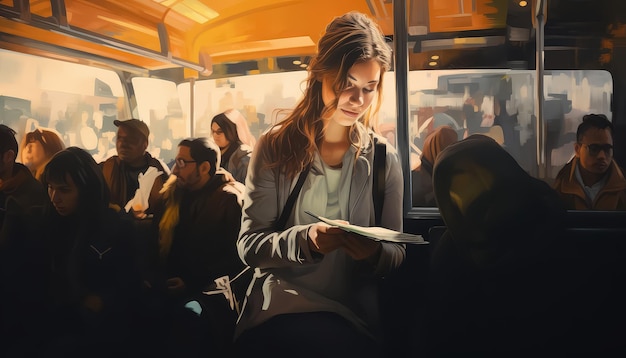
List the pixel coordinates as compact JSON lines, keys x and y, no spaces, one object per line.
{"x":94,"y":280}
{"x":500,"y":278}
{"x":473,"y":114}
{"x":21,"y":277}
{"x":122,"y":171}
{"x":37,"y":149}
{"x":17,"y":184}
{"x":422,"y":176}
{"x":235,"y":154}
{"x":197,"y":244}
{"x":592,"y":180}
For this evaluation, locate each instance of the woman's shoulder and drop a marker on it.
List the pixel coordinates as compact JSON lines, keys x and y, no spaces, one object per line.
{"x":264,"y":144}
{"x":376,"y":138}
{"x":245,"y":148}
{"x":270,"y":132}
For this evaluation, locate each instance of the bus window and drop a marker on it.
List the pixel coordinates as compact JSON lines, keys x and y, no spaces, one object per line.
{"x":78,"y":101}
{"x":501,"y":105}
{"x":159,"y":106}
{"x":265,"y":99}
{"x":254,"y":96}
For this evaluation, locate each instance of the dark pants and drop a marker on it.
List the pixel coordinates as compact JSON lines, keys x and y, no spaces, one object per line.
{"x":314,"y":334}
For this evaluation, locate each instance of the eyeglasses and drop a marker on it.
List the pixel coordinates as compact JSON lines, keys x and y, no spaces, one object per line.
{"x":181,"y":163}
{"x":594,"y":149}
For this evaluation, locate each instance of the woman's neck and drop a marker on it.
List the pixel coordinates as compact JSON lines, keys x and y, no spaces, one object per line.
{"x":334,"y":144}
{"x":335,"y":133}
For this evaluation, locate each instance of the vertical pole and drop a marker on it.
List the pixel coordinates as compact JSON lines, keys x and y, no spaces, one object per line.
{"x":192,"y":100}
{"x":23,"y":7}
{"x":401,"y":69}
{"x":59,"y":12}
{"x":540,"y":12}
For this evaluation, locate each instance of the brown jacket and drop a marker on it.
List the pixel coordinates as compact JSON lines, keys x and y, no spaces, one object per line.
{"x":115,"y":176}
{"x":611,"y":197}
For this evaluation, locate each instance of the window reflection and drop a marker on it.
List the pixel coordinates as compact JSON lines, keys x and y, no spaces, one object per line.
{"x":79,"y":102}
{"x":501,"y":104}
{"x":159,"y":106}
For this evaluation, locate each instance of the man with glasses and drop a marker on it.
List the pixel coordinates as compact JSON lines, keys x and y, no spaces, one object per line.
{"x":592,"y":180}
{"x":197,"y":235}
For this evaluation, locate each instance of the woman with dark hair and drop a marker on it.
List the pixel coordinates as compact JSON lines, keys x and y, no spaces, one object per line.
{"x":235,"y":153}
{"x":94,"y":280}
{"x":37,"y":149}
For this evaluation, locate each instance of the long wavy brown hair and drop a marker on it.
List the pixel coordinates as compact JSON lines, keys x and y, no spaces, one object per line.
{"x":348,"y":39}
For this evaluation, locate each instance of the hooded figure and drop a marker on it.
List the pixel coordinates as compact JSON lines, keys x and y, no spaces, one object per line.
{"x":498,"y":281}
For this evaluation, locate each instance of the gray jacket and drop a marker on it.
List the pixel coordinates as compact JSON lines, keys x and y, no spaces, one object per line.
{"x":288,"y":278}
{"x":238,"y":163}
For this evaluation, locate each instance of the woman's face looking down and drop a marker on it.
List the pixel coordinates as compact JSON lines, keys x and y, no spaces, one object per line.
{"x":356,"y":98}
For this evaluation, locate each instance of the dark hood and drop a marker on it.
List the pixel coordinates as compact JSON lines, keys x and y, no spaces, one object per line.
{"x":492,"y":208}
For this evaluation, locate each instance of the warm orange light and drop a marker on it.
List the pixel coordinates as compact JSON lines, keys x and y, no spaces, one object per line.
{"x":264,"y":45}
{"x":523,"y":3}
{"x":432,"y":63}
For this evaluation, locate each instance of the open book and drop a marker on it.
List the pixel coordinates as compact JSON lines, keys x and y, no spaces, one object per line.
{"x":374,"y":232}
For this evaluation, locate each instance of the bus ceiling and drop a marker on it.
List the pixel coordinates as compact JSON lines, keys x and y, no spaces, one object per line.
{"x":205,"y":36}
{"x":161,"y":34}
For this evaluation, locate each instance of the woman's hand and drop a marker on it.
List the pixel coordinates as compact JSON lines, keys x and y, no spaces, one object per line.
{"x":324,"y":238}
{"x":361,"y":248}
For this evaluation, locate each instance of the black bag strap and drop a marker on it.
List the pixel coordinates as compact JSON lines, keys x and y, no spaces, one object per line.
{"x":284,"y":215}
{"x":378,"y":186}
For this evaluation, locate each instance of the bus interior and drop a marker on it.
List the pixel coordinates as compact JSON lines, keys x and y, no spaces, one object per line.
{"x":527,"y":71}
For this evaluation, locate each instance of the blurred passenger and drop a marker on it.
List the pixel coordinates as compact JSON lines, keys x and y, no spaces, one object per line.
{"x":508,"y":123}
{"x":235,"y":154}
{"x":122,"y":171}
{"x":501,"y":283}
{"x":37,"y":149}
{"x":314,"y":289}
{"x":95,"y":281}
{"x":18,"y":187}
{"x":592,"y":180}
{"x":21,"y":255}
{"x":134,"y":179}
{"x":422,"y":176}
{"x":197,"y":244}
{"x":474,"y":114}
